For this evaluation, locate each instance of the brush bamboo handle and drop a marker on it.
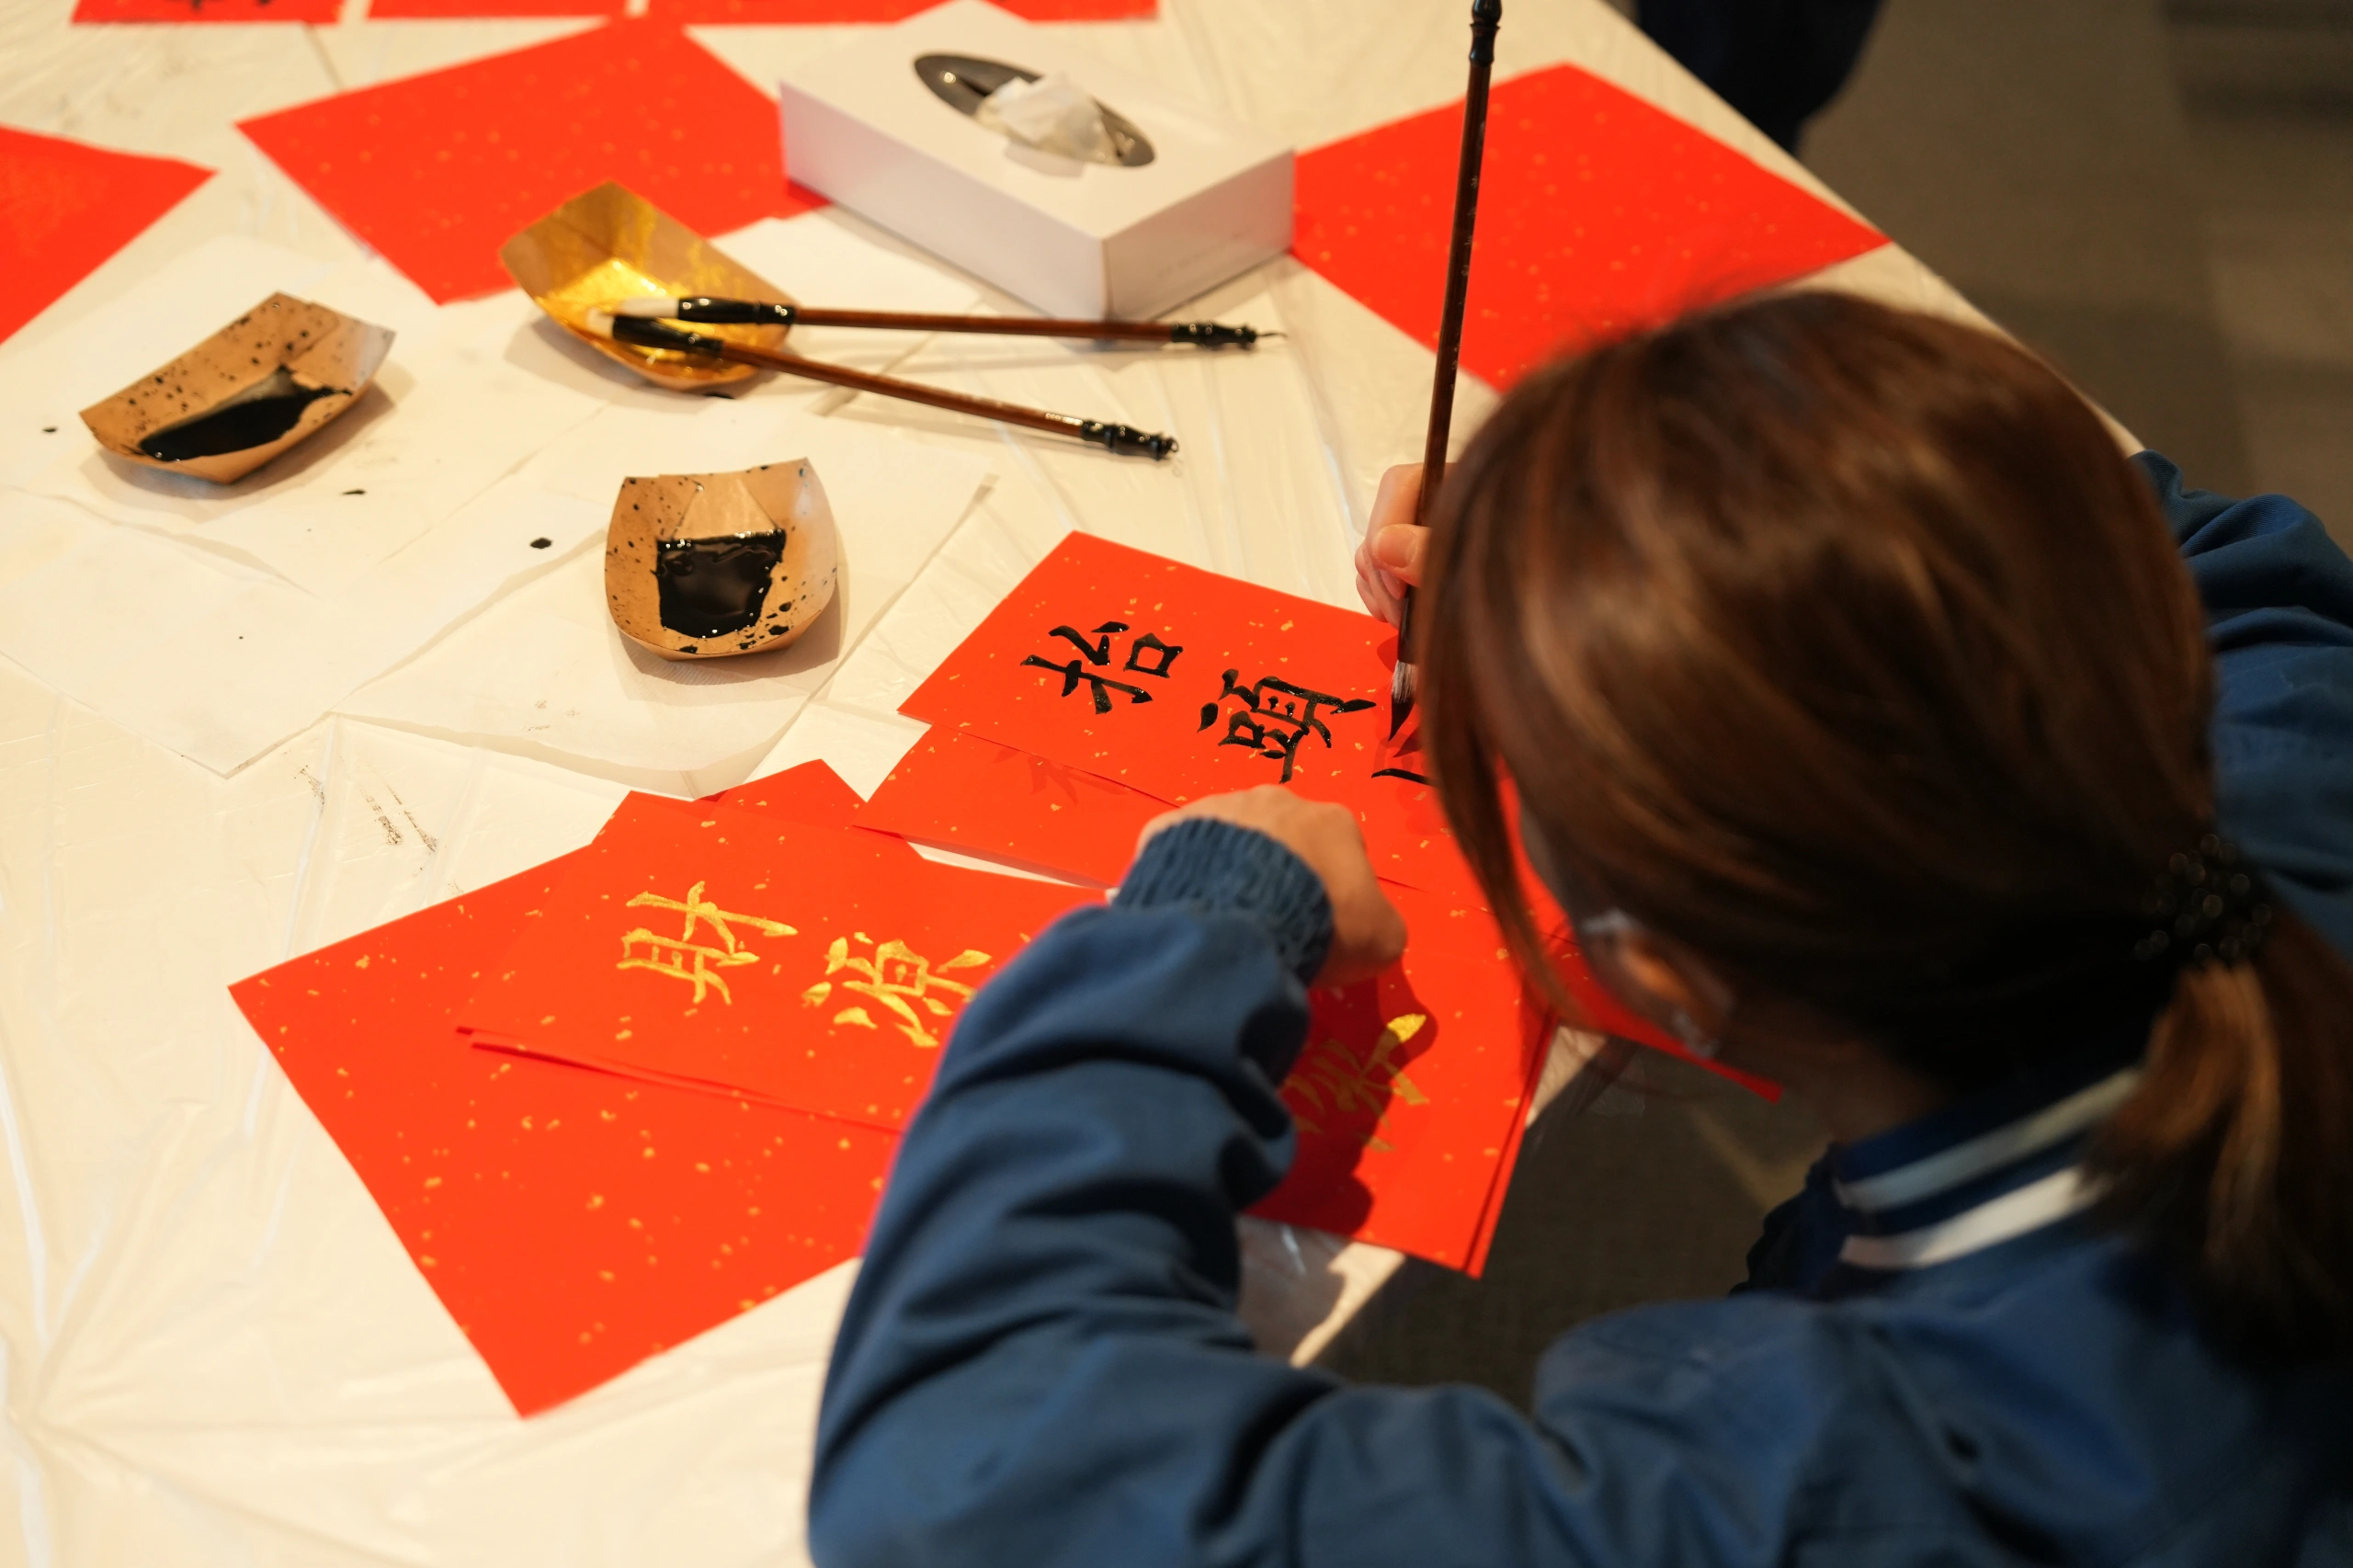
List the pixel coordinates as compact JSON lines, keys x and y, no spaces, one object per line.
{"x":703,"y":309}
{"x":1487,"y":16}
{"x":1121,"y":438}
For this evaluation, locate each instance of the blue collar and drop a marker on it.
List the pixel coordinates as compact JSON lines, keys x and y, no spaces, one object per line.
{"x":1986,"y":1169}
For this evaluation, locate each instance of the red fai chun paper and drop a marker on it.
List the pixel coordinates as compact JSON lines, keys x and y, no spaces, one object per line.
{"x":1599,"y":214}
{"x":769,"y":13}
{"x":719,"y":949}
{"x":573,"y":1222}
{"x":437,"y":171}
{"x":1181,"y":683}
{"x":811,"y":792}
{"x":65,"y":206}
{"x":85,"y":11}
{"x":957,"y":790}
{"x":1410,"y":1092}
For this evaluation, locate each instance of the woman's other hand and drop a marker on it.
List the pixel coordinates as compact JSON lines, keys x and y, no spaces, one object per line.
{"x":1368,"y":934}
{"x":1389,"y":559}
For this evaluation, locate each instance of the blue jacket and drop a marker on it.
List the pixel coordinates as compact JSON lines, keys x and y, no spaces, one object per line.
{"x":1938,"y":1361}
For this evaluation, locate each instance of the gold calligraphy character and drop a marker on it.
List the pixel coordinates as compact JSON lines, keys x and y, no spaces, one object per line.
{"x":683,"y":958}
{"x":900,"y":979}
{"x":1333,"y":1079}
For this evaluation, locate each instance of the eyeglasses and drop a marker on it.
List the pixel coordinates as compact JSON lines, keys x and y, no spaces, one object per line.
{"x":1603,"y":938}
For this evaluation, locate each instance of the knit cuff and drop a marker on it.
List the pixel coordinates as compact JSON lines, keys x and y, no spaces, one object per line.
{"x":1218,"y":868}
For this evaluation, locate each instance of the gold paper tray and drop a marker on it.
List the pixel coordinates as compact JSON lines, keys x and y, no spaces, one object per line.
{"x":271,"y":378}
{"x":708,"y":566}
{"x":612,"y":244}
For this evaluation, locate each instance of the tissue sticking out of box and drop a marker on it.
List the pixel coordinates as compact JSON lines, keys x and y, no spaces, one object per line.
{"x":272,"y":378}
{"x":708,"y":566}
{"x":1051,"y":113}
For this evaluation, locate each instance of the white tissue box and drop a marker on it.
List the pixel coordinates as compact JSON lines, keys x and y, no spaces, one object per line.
{"x":1070,"y":237}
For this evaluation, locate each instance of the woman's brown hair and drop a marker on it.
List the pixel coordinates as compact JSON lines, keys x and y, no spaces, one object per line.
{"x":1842,"y":646}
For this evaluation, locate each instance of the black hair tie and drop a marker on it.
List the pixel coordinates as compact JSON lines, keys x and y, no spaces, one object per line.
{"x":2210,"y":907}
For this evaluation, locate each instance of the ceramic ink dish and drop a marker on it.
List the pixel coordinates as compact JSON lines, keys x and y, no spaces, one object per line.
{"x":612,"y":245}
{"x":708,"y":566}
{"x":269,"y":380}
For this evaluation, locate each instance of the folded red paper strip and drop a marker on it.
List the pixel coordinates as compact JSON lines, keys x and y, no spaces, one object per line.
{"x":573,"y":1222}
{"x":66,"y":207}
{"x":1599,"y":214}
{"x":438,"y":171}
{"x":711,"y":947}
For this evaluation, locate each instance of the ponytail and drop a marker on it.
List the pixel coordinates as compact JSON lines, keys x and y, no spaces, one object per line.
{"x":2234,"y":1155}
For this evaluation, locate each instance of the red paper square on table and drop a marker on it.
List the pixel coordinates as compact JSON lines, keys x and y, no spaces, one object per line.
{"x":461,"y":10}
{"x":724,"y":949}
{"x":207,"y":10}
{"x":65,"y":206}
{"x":769,"y":13}
{"x":1599,"y":214}
{"x":1409,"y":1089}
{"x":573,"y":1222}
{"x":438,"y":171}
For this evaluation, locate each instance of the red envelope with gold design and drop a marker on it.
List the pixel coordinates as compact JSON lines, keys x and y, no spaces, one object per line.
{"x":716,"y":948}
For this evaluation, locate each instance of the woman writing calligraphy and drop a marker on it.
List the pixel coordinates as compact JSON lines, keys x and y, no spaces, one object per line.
{"x":1883,"y":730}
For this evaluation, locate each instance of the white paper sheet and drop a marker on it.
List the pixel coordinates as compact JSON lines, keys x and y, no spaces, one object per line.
{"x":43,"y":388}
{"x":545,"y":672}
{"x":441,"y":424}
{"x":221,"y":663}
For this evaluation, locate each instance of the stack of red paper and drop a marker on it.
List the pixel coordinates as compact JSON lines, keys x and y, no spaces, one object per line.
{"x":612,"y":1101}
{"x":1112,"y":685}
{"x":758,"y":992}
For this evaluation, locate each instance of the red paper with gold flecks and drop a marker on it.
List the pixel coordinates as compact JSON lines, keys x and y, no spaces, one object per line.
{"x":86,"y":11}
{"x":65,"y":206}
{"x":438,"y":171}
{"x":1169,"y":679}
{"x":1409,"y":1091}
{"x":573,"y":1222}
{"x":725,"y":949}
{"x":955,"y":788}
{"x":770,"y":13}
{"x":1599,"y":214}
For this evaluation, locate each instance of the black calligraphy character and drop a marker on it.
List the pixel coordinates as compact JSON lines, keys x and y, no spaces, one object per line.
{"x":1150,"y":643}
{"x":1276,"y":716}
{"x":1398,"y":773}
{"x":1098,"y":653}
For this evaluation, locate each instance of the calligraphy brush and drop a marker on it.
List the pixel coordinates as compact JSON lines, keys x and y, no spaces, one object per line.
{"x":645,"y":333}
{"x":703,"y":309}
{"x":1485,"y":16}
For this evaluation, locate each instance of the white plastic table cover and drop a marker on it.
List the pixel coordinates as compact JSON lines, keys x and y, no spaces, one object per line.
{"x":215,"y":1350}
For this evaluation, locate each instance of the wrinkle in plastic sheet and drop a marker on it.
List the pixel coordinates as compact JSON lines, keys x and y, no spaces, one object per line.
{"x":223,"y":1265}
{"x":544,"y":671}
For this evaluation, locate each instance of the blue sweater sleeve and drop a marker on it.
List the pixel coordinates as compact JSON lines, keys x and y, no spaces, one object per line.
{"x":2278,"y":599}
{"x":1040,"y":1362}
